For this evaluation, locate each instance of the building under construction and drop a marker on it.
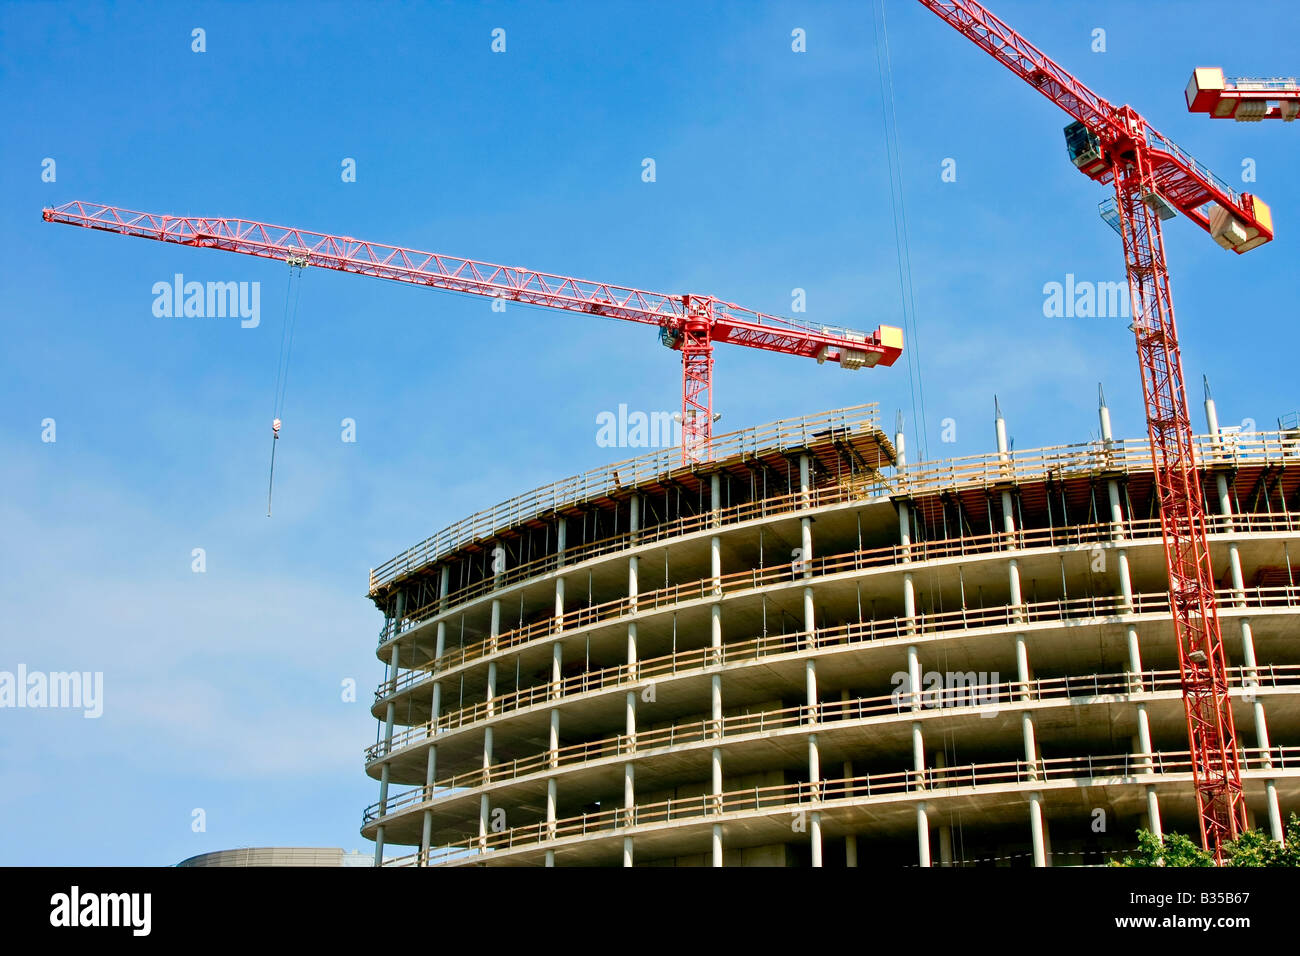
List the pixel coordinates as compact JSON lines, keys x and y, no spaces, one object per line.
{"x":809,"y":651}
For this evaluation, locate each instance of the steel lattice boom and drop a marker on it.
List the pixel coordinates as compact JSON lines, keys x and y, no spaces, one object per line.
{"x":1154,"y":180}
{"x":689,"y":323}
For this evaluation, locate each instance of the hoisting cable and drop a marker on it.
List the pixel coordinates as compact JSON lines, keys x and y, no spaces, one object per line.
{"x":907,"y":289}
{"x":297,"y":261}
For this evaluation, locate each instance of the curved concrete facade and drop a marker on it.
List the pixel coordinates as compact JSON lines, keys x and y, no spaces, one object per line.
{"x":278,"y":856}
{"x":807,"y":653}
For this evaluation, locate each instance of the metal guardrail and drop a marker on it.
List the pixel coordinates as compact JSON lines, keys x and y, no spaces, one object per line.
{"x":1103,"y":532}
{"x":620,"y":676}
{"x":1257,"y":83}
{"x":576,"y":555}
{"x":935,"y":782}
{"x":974,"y":695}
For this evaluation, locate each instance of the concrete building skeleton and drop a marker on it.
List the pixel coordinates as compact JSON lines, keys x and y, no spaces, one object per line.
{"x":810,"y":652}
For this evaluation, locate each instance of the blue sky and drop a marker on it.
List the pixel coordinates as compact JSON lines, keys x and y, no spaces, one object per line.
{"x":222,"y":689}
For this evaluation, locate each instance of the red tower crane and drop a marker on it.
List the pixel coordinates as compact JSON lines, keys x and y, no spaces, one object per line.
{"x":1240,"y":98}
{"x":1155,"y":180}
{"x":692,"y":324}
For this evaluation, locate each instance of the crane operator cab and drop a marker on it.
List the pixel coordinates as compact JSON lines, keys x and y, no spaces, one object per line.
{"x":1084,"y":148}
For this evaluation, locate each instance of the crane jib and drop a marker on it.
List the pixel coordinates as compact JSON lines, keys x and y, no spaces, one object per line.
{"x":691,"y":324}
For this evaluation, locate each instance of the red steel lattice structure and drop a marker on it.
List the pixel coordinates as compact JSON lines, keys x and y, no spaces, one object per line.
{"x":689,"y":323}
{"x":1153,"y":180}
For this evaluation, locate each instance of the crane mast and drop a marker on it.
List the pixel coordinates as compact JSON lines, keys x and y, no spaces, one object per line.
{"x":691,"y":324}
{"x":1155,"y":180}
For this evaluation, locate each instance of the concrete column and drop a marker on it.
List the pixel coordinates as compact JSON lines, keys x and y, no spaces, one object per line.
{"x":1144,"y":724}
{"x":430,"y":771}
{"x":1047,"y":839}
{"x":495,"y":631}
{"x":557,"y":674}
{"x":484,"y":821}
{"x":490,"y":699}
{"x":1036,"y":829}
{"x":851,"y":839}
{"x":810,"y":664}
{"x":1144,"y":747}
{"x":940,"y":760}
{"x":485,"y":809}
{"x":1261,"y":729}
{"x":815,"y":837}
{"x":1027,"y":730}
{"x":435,"y":711}
{"x":715,"y":643}
{"x":945,"y":845}
{"x":814,"y":761}
{"x":390,"y":714}
{"x":552,"y":790}
{"x":1251,"y":678}
{"x":923,"y":834}
{"x":426,"y":829}
{"x":1274,"y":811}
{"x":914,"y":676}
{"x":918,"y":737}
{"x":553,"y":741}
{"x":1023,"y":674}
{"x":1017,"y":596}
{"x":1153,"y":813}
{"x":633,"y":589}
{"x":629,"y":804}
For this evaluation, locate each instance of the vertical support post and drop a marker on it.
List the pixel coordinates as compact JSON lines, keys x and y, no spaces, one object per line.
{"x":557,"y":677}
{"x":1036,"y":828}
{"x":918,"y":737}
{"x":851,"y":839}
{"x":1028,"y":733}
{"x":485,"y":806}
{"x":435,"y":711}
{"x":715,"y":683}
{"x":922,"y":834}
{"x":389,"y":717}
{"x":633,"y":589}
{"x":810,"y":663}
{"x":1250,"y":674}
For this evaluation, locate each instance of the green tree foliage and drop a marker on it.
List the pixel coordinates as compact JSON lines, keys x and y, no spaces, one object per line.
{"x":1251,"y":848}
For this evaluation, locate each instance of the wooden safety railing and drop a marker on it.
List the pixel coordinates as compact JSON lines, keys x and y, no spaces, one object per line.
{"x":973,"y":695}
{"x":1094,"y":457}
{"x":618,"y":477}
{"x":857,"y":632}
{"x":780,"y":798}
{"x":1116,"y":456}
